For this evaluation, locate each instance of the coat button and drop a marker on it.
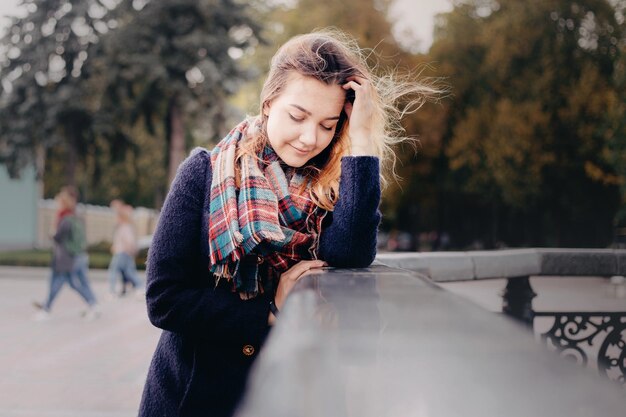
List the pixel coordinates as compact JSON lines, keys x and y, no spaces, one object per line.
{"x":248,"y":350}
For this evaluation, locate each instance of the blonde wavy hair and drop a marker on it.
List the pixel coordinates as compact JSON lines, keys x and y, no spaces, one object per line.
{"x":331,"y":56}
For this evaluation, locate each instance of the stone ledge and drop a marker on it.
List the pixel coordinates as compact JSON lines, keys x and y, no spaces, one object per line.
{"x":383,"y":342}
{"x":509,"y":263}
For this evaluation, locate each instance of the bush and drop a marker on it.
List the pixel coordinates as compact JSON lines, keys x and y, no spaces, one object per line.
{"x":34,"y":257}
{"x":99,"y":257}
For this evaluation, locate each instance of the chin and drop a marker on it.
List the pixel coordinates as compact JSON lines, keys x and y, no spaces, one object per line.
{"x":294,"y":161}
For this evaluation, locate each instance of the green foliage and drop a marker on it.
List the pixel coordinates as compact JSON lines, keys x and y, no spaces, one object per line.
{"x":531,"y":150}
{"x":26,"y":258}
{"x":538,"y":107}
{"x":43,"y":258}
{"x":172,"y":58}
{"x":99,"y":257}
{"x":366,"y":20}
{"x":112,"y":91}
{"x":45,"y":100}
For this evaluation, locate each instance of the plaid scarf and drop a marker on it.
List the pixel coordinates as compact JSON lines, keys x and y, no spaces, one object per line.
{"x":263,"y":228}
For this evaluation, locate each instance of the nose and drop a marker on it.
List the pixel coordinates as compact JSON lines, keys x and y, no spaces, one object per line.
{"x":308,"y":137}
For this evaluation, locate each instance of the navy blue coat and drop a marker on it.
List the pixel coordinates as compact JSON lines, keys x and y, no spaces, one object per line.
{"x":210,"y":336}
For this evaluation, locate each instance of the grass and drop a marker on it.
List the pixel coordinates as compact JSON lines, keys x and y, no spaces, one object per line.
{"x":32,"y":257}
{"x":98,"y":258}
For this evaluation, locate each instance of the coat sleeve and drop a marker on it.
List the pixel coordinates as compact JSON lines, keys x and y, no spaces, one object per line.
{"x":180,"y":291}
{"x":348,"y":239}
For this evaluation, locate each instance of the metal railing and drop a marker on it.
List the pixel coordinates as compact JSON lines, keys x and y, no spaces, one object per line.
{"x":591,"y":338}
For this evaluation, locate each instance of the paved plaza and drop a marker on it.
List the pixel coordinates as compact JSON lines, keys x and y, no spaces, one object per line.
{"x":68,"y":366}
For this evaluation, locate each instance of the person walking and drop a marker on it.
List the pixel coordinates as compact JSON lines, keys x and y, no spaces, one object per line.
{"x":70,"y":261}
{"x":123,"y":250}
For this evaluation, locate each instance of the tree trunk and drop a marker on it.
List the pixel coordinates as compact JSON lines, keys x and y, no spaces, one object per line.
{"x":494,"y":224}
{"x":71,"y":158}
{"x":40,"y":169}
{"x":177,"y":151}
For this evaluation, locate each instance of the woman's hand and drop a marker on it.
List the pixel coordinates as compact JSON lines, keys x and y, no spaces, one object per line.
{"x":289,"y":278}
{"x":360,"y":115}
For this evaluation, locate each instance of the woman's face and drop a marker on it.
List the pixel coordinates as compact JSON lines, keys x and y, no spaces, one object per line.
{"x":303,"y":118}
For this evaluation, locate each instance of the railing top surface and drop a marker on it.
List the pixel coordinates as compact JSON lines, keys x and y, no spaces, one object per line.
{"x":470,"y":265}
{"x":384,"y":342}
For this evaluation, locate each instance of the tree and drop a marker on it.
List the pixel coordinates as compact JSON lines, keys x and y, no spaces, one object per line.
{"x":169,"y":58}
{"x":615,"y":153}
{"x":535,"y":99}
{"x":45,"y":101}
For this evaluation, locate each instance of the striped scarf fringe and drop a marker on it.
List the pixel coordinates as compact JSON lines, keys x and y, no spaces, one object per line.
{"x":263,"y":228}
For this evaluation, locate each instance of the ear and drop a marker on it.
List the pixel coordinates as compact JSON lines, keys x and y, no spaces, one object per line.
{"x":266,"y":109}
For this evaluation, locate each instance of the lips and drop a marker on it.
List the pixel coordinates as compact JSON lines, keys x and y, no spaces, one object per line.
{"x":300,"y":151}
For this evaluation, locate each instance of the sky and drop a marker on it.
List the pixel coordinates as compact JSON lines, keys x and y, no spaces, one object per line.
{"x":414,"y":15}
{"x":418,"y":16}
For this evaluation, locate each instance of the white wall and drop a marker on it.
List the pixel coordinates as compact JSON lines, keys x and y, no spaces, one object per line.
{"x":18,"y":209}
{"x":99,"y":222}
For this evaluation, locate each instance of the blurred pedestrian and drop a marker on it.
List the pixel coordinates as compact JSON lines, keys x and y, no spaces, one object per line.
{"x":70,"y":261}
{"x":116,"y":205}
{"x":124,"y":249}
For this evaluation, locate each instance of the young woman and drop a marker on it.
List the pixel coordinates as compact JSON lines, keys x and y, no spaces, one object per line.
{"x":291,"y":190}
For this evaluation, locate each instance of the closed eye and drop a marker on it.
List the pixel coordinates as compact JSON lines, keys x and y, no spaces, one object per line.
{"x":328,"y":128}
{"x":294,"y":118}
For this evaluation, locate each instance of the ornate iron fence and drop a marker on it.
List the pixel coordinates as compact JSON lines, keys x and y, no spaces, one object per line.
{"x":596,"y":339}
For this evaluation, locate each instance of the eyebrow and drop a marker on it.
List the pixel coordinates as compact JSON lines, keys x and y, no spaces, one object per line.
{"x":309,"y":113}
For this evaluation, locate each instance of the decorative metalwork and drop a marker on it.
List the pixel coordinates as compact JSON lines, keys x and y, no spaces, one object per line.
{"x":577,"y":336}
{"x":517,"y":299}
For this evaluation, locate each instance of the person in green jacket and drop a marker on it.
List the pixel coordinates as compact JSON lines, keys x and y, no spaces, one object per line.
{"x":69,"y":259}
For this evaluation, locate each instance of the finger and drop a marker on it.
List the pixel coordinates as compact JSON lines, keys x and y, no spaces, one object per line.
{"x":303,"y":266}
{"x":360,"y":90}
{"x":316,"y":263}
{"x":358,"y":79}
{"x":311,"y":271}
{"x":351,"y":85}
{"x":348,"y":108}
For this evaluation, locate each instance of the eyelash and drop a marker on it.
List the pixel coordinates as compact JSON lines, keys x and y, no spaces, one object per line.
{"x":295,"y":119}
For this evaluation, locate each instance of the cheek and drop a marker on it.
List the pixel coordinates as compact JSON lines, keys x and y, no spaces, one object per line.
{"x":273,"y":131}
{"x":325,"y":141}
{"x":280,"y":131}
